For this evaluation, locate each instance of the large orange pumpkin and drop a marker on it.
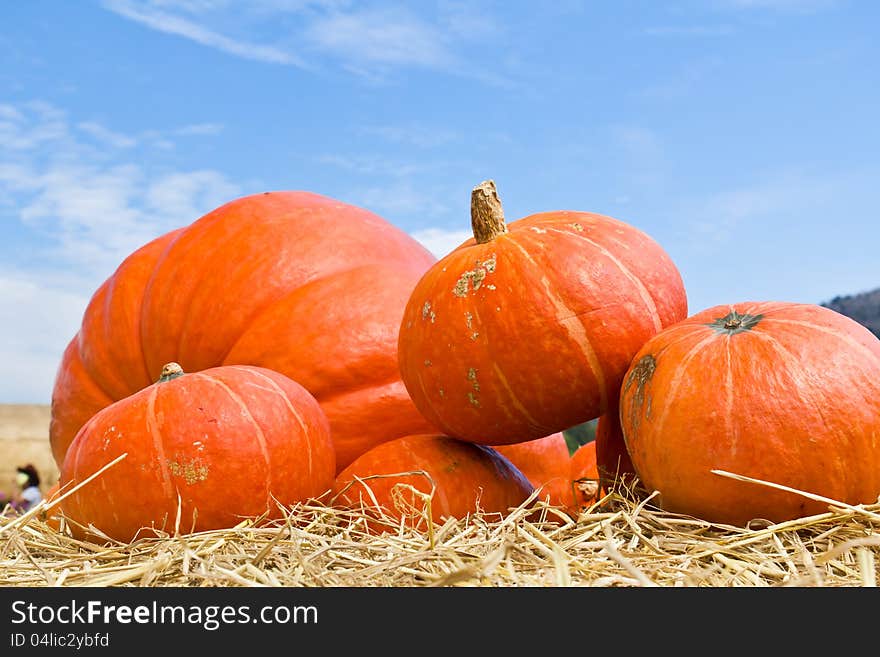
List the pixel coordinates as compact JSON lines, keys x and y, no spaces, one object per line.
{"x":291,"y":281}
{"x":461,"y":477}
{"x":527,"y":329}
{"x":198,"y":451}
{"x":782,"y":392}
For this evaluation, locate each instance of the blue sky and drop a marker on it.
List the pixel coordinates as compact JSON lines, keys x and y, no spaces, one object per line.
{"x":742,"y":135}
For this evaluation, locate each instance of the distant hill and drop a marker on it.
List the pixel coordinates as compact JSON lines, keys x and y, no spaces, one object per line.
{"x":864,"y":308}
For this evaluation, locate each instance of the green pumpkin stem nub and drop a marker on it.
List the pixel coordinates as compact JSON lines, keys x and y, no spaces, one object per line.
{"x":170,"y":371}
{"x":487,"y":215}
{"x":735,"y":323}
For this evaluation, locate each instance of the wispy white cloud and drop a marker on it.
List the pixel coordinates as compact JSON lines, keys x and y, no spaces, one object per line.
{"x":147,"y":14}
{"x":81,"y":210}
{"x":441,"y":241}
{"x":380,"y":38}
{"x":36,"y":323}
{"x":772,"y":201}
{"x":369,"y":40}
{"x":200,"y":129}
{"x":99,"y":132}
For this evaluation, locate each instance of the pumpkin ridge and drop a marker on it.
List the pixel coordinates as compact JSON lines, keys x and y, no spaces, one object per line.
{"x":675,"y":383}
{"x":246,"y":412}
{"x":156,"y":436}
{"x":729,"y":398}
{"x":643,"y":292}
{"x":287,"y":402}
{"x":824,"y":329}
{"x":584,"y":343}
{"x":303,"y":291}
{"x":517,"y":404}
{"x":797,"y":365}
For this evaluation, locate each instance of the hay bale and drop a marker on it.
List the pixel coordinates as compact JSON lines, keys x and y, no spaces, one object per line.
{"x":620,"y":541}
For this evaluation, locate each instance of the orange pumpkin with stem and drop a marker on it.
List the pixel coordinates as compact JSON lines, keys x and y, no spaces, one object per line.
{"x":528,"y":328}
{"x":197,"y":451}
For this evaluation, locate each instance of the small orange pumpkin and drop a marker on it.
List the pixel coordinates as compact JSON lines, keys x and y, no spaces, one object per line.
{"x":585,"y":481}
{"x":546,"y":463}
{"x":398,"y":477}
{"x":197,"y":451}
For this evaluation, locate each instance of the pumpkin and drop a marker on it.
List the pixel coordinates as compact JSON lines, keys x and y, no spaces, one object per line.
{"x":584,"y":477}
{"x":429,"y":476}
{"x":526,"y":329}
{"x":546,"y":463}
{"x":780,"y":392}
{"x":613,"y":462}
{"x":197,"y":451}
{"x":296,"y":282}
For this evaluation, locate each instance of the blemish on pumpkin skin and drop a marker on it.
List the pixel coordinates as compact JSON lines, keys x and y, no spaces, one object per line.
{"x":427,"y":312}
{"x":473,"y":400}
{"x":427,"y":363}
{"x":191,"y":471}
{"x":472,"y":377}
{"x":538,"y":230}
{"x":473,"y":278}
{"x":578,"y":227}
{"x":640,"y":376}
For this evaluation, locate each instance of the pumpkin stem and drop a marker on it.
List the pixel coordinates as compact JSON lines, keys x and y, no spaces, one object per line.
{"x":170,"y":371}
{"x":487,"y":216}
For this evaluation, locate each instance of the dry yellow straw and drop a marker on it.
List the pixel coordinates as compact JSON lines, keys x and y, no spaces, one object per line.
{"x":44,"y":506}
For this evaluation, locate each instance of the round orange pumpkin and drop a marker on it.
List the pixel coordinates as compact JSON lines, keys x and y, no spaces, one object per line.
{"x":546,"y":463}
{"x":292,"y":281}
{"x":781,"y":392}
{"x":198,"y":451}
{"x":585,"y":481}
{"x":461,"y":477}
{"x":527,"y":328}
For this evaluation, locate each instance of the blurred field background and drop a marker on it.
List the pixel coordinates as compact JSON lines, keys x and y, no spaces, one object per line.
{"x":24,"y":438}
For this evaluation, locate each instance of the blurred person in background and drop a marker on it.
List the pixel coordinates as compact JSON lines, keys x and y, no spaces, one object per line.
{"x":27,"y":479}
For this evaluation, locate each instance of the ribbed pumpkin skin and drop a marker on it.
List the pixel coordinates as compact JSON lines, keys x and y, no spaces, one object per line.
{"x":546,"y":463}
{"x":465,"y":477}
{"x":231,"y":442}
{"x":292,"y":281}
{"x":787,"y":393}
{"x":531,"y":332}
